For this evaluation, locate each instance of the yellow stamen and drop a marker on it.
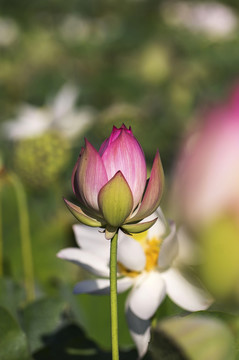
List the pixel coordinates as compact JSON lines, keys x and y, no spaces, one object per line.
{"x":151,"y":249}
{"x":126,"y":272}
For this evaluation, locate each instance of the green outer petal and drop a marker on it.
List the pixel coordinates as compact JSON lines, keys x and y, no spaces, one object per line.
{"x":139,"y":227}
{"x":115,"y":200}
{"x":81,"y":216}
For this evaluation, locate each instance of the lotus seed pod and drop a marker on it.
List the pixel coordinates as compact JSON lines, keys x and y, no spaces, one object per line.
{"x":40,"y":160}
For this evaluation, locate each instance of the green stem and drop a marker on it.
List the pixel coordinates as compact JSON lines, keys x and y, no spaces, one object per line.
{"x":113,"y":297}
{"x":1,"y":237}
{"x":25,"y":236}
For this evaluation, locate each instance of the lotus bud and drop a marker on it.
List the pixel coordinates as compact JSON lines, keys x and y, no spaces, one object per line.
{"x":111,"y":185}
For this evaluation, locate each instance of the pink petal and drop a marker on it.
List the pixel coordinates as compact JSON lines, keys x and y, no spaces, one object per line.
{"x":74,"y":181}
{"x":114,"y":134}
{"x":153,"y":191}
{"x":126,"y":155}
{"x":90,"y":176}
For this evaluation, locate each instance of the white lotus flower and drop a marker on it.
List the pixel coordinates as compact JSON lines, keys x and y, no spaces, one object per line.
{"x":147,"y":263}
{"x":60,"y":113}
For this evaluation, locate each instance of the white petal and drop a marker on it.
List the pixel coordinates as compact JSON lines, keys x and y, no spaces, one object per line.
{"x":185,"y":294}
{"x":101,"y":286}
{"x":64,"y":101}
{"x":139,"y":330}
{"x":130,"y":253}
{"x":124,"y":284}
{"x":85,"y":259}
{"x":169,"y":249}
{"x":97,"y":286}
{"x":92,"y":240}
{"x":147,"y":294}
{"x":159,"y":228}
{"x":31,"y":122}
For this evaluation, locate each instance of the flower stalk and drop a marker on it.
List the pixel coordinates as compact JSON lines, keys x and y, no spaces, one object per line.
{"x":1,"y":238}
{"x":2,"y":173}
{"x":113,"y":297}
{"x":25,"y":236}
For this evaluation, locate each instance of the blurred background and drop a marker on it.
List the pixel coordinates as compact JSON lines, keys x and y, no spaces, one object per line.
{"x":73,"y":69}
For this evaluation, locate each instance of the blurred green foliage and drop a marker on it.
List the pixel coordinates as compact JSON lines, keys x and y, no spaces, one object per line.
{"x":116,"y":54}
{"x":130,"y":65}
{"x":194,"y":337}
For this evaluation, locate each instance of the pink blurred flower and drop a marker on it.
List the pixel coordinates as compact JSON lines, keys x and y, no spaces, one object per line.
{"x":206,"y":177}
{"x":111,"y":185}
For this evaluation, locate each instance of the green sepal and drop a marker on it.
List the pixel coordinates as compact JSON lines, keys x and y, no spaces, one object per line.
{"x":115,"y":200}
{"x":110,"y":232}
{"x":139,"y":227}
{"x":81,"y":216}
